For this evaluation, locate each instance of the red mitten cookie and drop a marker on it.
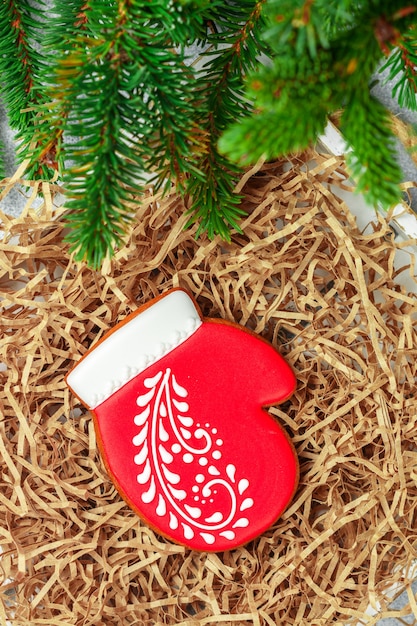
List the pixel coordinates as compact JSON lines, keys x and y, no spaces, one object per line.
{"x":177,"y":403}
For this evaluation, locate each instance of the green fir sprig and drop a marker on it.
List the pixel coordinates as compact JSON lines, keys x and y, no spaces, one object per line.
{"x":126,"y":109}
{"x":366,"y":123}
{"x":325,"y":56}
{"x":104,"y":94}
{"x":401,"y":67}
{"x":68,"y":23}
{"x":21,"y":61}
{"x":234,"y":44}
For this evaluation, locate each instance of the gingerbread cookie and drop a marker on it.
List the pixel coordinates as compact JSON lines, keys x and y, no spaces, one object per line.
{"x":177,"y":404}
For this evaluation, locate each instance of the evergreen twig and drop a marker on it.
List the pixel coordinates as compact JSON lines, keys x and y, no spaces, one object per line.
{"x":21,"y":61}
{"x":133,"y":114}
{"x":235,"y":45}
{"x":366,"y":125}
{"x":103,"y":92}
{"x":318,"y":70}
{"x":45,"y":149}
{"x":402,"y":66}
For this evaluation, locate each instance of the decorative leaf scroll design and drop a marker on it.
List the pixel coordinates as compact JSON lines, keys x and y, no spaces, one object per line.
{"x":171,"y":445}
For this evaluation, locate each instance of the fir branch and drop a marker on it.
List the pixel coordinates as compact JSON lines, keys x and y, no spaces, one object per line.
{"x":401,"y":66}
{"x":220,"y":100}
{"x":338,"y":16}
{"x":298,"y":86}
{"x":21,"y":61}
{"x":186,"y":19}
{"x":365,"y":124}
{"x":293,"y":97}
{"x":116,"y":96}
{"x":45,"y":150}
{"x":309,"y":80}
{"x":295,"y":23}
{"x":69,"y":23}
{"x":134,"y":114}
{"x":101,"y":181}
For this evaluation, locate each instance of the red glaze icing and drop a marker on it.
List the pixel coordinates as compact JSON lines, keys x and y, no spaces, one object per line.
{"x":204,"y":464}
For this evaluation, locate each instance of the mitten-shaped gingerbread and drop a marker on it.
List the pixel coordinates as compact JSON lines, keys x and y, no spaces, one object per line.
{"x":177,"y":402}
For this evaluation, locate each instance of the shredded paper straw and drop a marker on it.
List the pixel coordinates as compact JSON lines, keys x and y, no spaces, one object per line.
{"x":329,"y":297}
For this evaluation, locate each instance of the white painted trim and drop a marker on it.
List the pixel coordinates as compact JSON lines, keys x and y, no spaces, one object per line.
{"x":134,"y":346}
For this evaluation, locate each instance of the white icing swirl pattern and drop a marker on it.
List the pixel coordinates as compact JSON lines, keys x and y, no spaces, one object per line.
{"x":169,"y":442}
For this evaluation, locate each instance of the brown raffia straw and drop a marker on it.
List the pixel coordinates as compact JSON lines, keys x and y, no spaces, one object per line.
{"x":325,"y":294}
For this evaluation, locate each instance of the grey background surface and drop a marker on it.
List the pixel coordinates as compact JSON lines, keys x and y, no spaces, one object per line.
{"x":15,"y":203}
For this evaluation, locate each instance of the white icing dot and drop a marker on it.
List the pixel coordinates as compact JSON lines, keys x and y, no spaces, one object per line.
{"x":203,"y":501}
{"x":196,"y":488}
{"x":203,"y":461}
{"x":199,"y":478}
{"x":142,"y":361}
{"x":175,"y":337}
{"x":214,"y":431}
{"x":217,"y":455}
{"x":207,"y":425}
{"x":196,"y":498}
{"x":219,"y":442}
{"x":176,"y":448}
{"x":211,"y":500}
{"x":160,"y":349}
{"x":188,"y":458}
{"x":191,"y":324}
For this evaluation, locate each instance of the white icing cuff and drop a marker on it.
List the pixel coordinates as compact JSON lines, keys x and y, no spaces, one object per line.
{"x":133,"y":347}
